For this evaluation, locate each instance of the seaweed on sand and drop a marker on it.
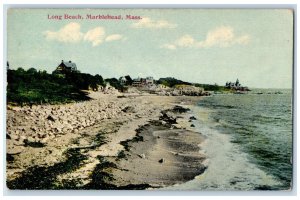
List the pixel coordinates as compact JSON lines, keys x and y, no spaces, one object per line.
{"x":121,"y":155}
{"x":101,"y":179}
{"x":33,"y":144}
{"x":180,"y":109}
{"x":37,"y":177}
{"x":10,"y":157}
{"x":126,"y":145}
{"x":99,"y":139}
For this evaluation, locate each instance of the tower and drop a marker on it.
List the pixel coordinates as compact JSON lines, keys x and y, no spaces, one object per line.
{"x":237,"y":83}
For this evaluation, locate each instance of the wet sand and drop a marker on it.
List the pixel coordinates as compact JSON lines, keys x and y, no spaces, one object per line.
{"x":161,"y":157}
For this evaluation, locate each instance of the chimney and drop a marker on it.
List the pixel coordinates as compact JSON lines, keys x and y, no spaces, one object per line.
{"x":70,"y":61}
{"x":62,"y":61}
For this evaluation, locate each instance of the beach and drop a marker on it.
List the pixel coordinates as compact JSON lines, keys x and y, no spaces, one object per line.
{"x":114,"y":141}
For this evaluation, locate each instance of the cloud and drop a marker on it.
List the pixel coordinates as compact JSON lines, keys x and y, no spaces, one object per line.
{"x":95,"y":36}
{"x":223,"y":36}
{"x":114,"y":37}
{"x":243,"y":39}
{"x":185,"y":41}
{"x":152,"y":24}
{"x":71,"y":33}
{"x":68,"y":34}
{"x":169,"y":46}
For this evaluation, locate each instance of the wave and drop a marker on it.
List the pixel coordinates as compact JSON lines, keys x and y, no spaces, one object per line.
{"x":228,"y":168}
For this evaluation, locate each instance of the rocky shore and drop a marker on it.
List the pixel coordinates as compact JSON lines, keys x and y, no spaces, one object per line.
{"x":111,"y":142}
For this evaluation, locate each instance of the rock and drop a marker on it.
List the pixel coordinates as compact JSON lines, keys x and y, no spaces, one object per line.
{"x":180,"y":109}
{"x":34,"y":144}
{"x":192,"y":118}
{"x":192,"y":125}
{"x":58,"y":130}
{"x":65,"y":130}
{"x":168,"y":118}
{"x":142,"y":156}
{"x":177,"y":126}
{"x":14,"y":149}
{"x":75,"y":131}
{"x":15,"y":136}
{"x":16,"y":109}
{"x":42,"y":135}
{"x":51,"y":118}
{"x":22,"y":138}
{"x":44,"y":140}
{"x":128,"y":109}
{"x":67,"y":126}
{"x":161,"y":160}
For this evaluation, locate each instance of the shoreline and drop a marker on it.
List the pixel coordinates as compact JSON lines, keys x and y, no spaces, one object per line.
{"x":118,"y":142}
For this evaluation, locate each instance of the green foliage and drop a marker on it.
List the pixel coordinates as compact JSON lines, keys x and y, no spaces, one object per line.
{"x":84,"y":81}
{"x":115,"y":83}
{"x":129,"y":80}
{"x":171,"y":82}
{"x":215,"y":87}
{"x":37,"y":87}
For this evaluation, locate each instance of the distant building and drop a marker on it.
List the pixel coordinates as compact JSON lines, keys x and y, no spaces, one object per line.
{"x":137,"y":82}
{"x":236,"y":86}
{"x":149,"y":80}
{"x":64,"y":67}
{"x":140,"y":82}
{"x":123,"y":80}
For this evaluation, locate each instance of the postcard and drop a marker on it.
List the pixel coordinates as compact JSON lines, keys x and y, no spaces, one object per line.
{"x":149,"y":99}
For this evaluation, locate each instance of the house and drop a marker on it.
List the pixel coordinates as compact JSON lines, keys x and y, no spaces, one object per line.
{"x":140,"y":82}
{"x":137,"y":82}
{"x":64,"y":67}
{"x":123,"y":80}
{"x":236,"y":86}
{"x":149,"y":80}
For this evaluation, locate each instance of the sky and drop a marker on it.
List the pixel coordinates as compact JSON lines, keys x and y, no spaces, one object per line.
{"x":195,"y":45}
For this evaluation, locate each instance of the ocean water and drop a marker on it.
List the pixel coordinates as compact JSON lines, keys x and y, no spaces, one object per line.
{"x":249,"y":141}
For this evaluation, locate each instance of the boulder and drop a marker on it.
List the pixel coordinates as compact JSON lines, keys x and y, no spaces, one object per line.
{"x":33,"y":143}
{"x":51,"y":118}
{"x":128,"y":109}
{"x":192,"y":118}
{"x":180,"y":109}
{"x":142,"y":156}
{"x":168,"y":118}
{"x":177,"y":126}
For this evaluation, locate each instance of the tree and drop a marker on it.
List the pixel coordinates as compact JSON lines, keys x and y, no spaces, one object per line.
{"x":31,"y":71}
{"x":99,"y":79}
{"x":20,"y":70}
{"x":129,"y":80}
{"x":115,"y":83}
